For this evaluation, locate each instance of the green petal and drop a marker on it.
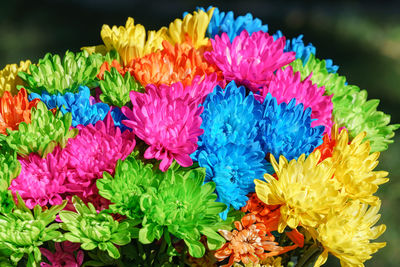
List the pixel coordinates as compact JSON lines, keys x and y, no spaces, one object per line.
{"x":112,"y":251}
{"x":196,"y":248}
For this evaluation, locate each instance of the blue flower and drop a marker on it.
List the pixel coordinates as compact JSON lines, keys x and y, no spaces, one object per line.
{"x":229,"y":117}
{"x":118,"y":116}
{"x":225,"y":22}
{"x":286,"y":129}
{"x":78,"y":104}
{"x":330,"y":67}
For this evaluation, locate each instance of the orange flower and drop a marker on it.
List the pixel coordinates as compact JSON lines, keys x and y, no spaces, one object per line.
{"x":250,"y":243}
{"x":181,"y":62}
{"x":107,"y":67}
{"x":14,"y":110}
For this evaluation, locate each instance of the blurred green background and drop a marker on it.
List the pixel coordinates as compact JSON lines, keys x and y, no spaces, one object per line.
{"x":362,"y":37}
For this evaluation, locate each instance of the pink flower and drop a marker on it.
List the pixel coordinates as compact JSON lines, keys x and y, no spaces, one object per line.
{"x":249,"y":60}
{"x":64,"y":255}
{"x":168,"y":122}
{"x":74,"y":169}
{"x":286,"y":85}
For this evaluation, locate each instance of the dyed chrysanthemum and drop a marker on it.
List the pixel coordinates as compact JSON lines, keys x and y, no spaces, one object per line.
{"x":63,"y":256}
{"x":169,"y":126}
{"x":179,"y":63}
{"x":93,"y":229}
{"x":348,"y":234}
{"x":226,"y":23}
{"x":286,"y":129}
{"x":304,"y":188}
{"x":83,"y":112}
{"x":354,"y":166}
{"x":286,"y":85}
{"x":130,"y":41}
{"x":233,"y":168}
{"x":249,"y":60}
{"x":191,"y":29}
{"x":184,"y":206}
{"x":115,"y":87}
{"x":249,"y":243}
{"x":56,"y":75}
{"x":350,"y":106}
{"x":9,"y":79}
{"x":14,"y":110}
{"x":22,"y":232}
{"x":9,"y":169}
{"x":268,"y":262}
{"x":43,"y":134}
{"x":229,"y":117}
{"x":132,"y":178}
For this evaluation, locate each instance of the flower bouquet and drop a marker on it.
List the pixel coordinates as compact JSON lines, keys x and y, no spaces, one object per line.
{"x":208,"y":143}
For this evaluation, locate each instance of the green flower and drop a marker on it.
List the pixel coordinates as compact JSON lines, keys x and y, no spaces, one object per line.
{"x":116,"y":88}
{"x":184,"y":207}
{"x":9,"y":169}
{"x":94,"y":229}
{"x":43,"y":134}
{"x":54,"y":74}
{"x":350,"y":106}
{"x":131,"y":180}
{"x":22,"y":232}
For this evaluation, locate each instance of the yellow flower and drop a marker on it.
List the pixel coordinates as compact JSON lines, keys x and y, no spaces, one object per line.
{"x":9,"y":77}
{"x":269,"y":262}
{"x":347,"y":234}
{"x":130,"y":41}
{"x":304,"y":188}
{"x":353,"y":167}
{"x":193,"y":26}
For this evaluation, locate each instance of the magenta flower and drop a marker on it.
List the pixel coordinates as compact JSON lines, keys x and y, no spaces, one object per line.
{"x":169,"y":124}
{"x":64,"y":255}
{"x":249,"y":60}
{"x":75,"y":169}
{"x":286,"y":85}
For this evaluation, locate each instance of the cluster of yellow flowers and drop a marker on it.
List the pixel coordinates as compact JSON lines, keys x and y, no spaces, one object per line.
{"x":331,"y":199}
{"x":9,"y":79}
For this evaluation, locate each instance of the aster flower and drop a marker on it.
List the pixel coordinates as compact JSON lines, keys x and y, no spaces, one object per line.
{"x":355,"y":227}
{"x":116,"y":87}
{"x":72,"y":71}
{"x":354,"y":167}
{"x":192,"y":27}
{"x":9,"y":79}
{"x":83,"y":112}
{"x":350,"y":106}
{"x":179,"y":63}
{"x":248,"y":243}
{"x":63,"y":256}
{"x":22,"y":232}
{"x":286,"y":129}
{"x":130,"y":41}
{"x":222,"y":22}
{"x":14,"y":110}
{"x":304,"y":189}
{"x":184,"y":207}
{"x":43,"y":134}
{"x":93,"y":229}
{"x":132,"y":178}
{"x":287,"y":85}
{"x":249,"y":60}
{"x":169,"y":126}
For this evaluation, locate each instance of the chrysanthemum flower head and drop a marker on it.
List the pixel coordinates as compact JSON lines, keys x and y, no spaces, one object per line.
{"x":53,"y":74}
{"x":287,"y":85}
{"x":348,"y":234}
{"x":179,"y":63}
{"x":354,"y":167}
{"x":286,"y":129}
{"x":192,"y":28}
{"x":63,"y":256}
{"x":9,"y":79}
{"x":9,"y":169}
{"x":14,"y":110}
{"x":304,"y":188}
{"x":169,"y":126}
{"x":131,"y":41}
{"x":249,"y":60}
{"x":83,"y":112}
